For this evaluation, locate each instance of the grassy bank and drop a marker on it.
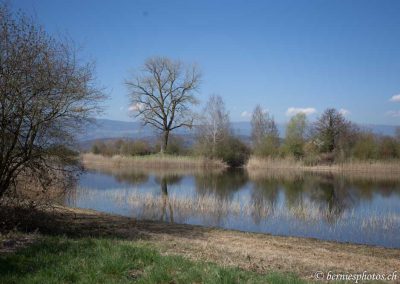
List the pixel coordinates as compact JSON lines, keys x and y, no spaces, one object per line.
{"x":94,"y":260}
{"x":108,"y":248}
{"x":367,"y":167}
{"x":155,"y":162}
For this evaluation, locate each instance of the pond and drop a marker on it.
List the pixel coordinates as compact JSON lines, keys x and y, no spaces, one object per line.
{"x":325,"y":206}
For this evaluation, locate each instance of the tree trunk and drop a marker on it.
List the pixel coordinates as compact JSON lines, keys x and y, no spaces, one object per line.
{"x":164,"y":213}
{"x":164,"y":142}
{"x":4,"y":185}
{"x":164,"y":186}
{"x":3,"y":189}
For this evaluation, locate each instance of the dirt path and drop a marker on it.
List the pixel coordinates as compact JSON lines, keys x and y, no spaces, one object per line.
{"x":257,"y":252}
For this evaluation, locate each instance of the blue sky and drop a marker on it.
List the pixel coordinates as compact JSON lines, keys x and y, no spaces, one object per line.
{"x":287,"y":56}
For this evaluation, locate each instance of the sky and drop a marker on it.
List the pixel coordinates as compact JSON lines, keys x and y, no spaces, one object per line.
{"x":287,"y":56}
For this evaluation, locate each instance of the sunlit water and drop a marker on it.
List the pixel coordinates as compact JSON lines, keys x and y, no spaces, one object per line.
{"x":327,"y":207}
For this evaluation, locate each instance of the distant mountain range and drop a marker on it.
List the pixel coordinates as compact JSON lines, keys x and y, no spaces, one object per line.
{"x":106,"y":129}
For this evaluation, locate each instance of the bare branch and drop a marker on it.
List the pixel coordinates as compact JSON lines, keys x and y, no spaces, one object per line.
{"x":46,"y":96}
{"x":163,"y":93}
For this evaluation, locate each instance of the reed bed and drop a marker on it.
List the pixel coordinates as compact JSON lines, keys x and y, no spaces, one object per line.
{"x":291,"y":175}
{"x":369,"y":169}
{"x":152,"y":162}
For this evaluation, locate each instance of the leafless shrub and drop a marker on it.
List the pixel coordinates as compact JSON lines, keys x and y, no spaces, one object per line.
{"x":46,"y":95}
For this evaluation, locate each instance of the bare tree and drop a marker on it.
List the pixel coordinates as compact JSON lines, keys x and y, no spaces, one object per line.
{"x":161,"y":95}
{"x":262,"y":124}
{"x":264,"y":133}
{"x":259,"y":125}
{"x":331,"y":129}
{"x":46,"y":95}
{"x":215,"y":124}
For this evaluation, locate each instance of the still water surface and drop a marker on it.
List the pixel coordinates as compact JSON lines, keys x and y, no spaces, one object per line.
{"x":323,"y":206}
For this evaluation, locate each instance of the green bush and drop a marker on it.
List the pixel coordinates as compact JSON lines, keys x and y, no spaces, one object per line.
{"x":311,"y":157}
{"x":122,"y":147}
{"x":232,"y":151}
{"x":389,"y":148}
{"x":135,"y":148}
{"x":295,"y":136}
{"x":366,"y":147}
{"x":176,"y":146}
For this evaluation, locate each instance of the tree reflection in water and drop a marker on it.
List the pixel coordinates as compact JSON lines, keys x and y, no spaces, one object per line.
{"x":239,"y":199}
{"x":164,"y":181}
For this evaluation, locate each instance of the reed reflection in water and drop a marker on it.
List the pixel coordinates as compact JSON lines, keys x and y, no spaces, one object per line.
{"x":324,"y":206}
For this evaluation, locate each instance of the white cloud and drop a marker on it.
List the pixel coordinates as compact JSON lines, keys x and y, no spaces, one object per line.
{"x":344,"y":111}
{"x":294,"y":110}
{"x":245,"y":114}
{"x":248,"y":114}
{"x":136,"y":107}
{"x":395,"y":98}
{"x":393,"y":113}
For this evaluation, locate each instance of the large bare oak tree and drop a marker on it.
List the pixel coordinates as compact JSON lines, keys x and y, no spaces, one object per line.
{"x":46,"y":95}
{"x":162,"y":95}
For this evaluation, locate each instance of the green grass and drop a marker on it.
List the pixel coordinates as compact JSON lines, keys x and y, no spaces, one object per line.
{"x":88,"y":260}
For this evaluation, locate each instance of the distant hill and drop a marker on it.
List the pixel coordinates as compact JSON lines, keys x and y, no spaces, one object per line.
{"x":244,"y":128}
{"x":106,"y":129}
{"x":381,"y":129}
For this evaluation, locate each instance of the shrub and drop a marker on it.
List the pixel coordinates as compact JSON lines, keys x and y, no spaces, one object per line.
{"x":389,"y":148}
{"x":121,"y":147}
{"x":366,"y":147}
{"x":134,"y":148}
{"x":311,"y":157}
{"x":176,"y":146}
{"x":233,"y":151}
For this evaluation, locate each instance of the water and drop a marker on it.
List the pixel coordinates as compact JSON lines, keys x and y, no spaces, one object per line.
{"x":328,"y":207}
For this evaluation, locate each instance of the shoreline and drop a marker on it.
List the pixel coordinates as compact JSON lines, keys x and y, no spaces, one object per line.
{"x":256,"y":168}
{"x":152,"y":162}
{"x":167,"y":162}
{"x":373,"y":166}
{"x":249,"y":251}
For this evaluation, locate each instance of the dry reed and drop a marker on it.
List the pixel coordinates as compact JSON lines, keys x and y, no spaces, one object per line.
{"x":368,"y":169}
{"x":152,"y":162}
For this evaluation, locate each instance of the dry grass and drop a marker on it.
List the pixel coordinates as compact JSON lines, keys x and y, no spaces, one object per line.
{"x":255,"y":163}
{"x":153,"y":162}
{"x":369,"y":169}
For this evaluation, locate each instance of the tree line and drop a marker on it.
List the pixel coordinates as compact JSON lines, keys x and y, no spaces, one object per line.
{"x":163,"y":93}
{"x":330,"y":139}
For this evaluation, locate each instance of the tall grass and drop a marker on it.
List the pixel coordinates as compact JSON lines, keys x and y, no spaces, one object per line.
{"x":151,"y":162}
{"x":351,"y":167}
